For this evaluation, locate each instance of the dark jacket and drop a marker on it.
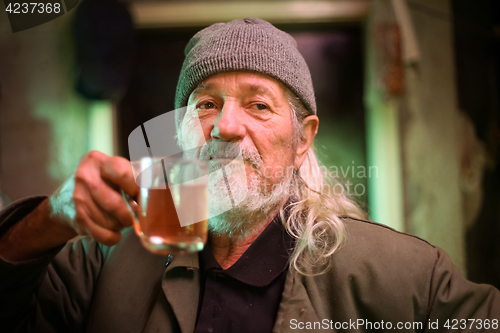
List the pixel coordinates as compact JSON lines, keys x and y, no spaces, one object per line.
{"x":379,"y":277}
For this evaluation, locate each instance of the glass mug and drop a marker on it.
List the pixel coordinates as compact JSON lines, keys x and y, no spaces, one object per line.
{"x":171,"y":212}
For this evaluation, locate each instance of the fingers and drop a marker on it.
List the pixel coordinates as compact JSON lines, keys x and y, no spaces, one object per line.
{"x":119,"y":171}
{"x":106,"y":199}
{"x":91,"y":211}
{"x":99,"y":226}
{"x":100,"y":208}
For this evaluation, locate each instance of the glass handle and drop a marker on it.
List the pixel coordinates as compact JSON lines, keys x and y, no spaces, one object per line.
{"x":131,"y":204}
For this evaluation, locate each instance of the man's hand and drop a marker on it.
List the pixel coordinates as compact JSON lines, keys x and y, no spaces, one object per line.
{"x":89,"y":202}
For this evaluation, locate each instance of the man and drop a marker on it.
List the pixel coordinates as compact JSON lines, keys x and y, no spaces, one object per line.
{"x":279,"y":261}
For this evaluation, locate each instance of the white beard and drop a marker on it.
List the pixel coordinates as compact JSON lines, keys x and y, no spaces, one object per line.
{"x":261,"y":200}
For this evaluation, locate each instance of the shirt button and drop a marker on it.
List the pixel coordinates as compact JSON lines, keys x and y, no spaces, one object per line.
{"x":210,"y":330}
{"x":219,"y":278}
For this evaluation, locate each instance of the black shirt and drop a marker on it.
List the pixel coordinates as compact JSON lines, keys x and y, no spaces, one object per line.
{"x":246,"y":296}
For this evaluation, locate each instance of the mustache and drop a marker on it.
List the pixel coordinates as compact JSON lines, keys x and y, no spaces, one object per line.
{"x":228,"y":150}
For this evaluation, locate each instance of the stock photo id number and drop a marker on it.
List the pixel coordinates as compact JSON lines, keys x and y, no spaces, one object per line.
{"x":25,"y":14}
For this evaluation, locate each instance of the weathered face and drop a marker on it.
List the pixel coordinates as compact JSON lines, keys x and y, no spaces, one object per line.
{"x":250,"y":110}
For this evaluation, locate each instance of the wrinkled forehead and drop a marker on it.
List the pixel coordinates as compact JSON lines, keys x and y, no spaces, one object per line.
{"x":240,"y":82}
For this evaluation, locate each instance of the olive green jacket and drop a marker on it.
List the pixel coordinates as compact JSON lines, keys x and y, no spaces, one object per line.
{"x":379,"y":277}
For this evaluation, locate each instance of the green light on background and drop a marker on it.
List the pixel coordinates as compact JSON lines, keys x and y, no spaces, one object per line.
{"x":385,"y":193}
{"x":101,"y":127}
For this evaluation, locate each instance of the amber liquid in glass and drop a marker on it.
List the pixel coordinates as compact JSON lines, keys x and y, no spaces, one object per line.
{"x":160,"y":229}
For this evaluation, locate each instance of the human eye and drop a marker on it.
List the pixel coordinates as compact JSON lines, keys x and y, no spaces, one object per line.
{"x":260,"y":106}
{"x":206,"y":105}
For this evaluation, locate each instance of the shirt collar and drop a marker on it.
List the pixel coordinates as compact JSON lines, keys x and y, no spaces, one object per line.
{"x":262,"y":262}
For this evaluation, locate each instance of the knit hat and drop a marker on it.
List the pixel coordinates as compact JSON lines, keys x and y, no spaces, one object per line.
{"x":250,"y":44}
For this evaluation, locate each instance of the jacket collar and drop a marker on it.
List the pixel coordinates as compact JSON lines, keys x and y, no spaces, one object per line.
{"x":265,"y":259}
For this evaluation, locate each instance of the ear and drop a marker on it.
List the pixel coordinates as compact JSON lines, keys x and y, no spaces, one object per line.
{"x":310,"y":128}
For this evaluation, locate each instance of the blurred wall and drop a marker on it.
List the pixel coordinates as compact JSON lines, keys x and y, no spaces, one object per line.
{"x":413,"y":132}
{"x":43,"y":123}
{"x":430,"y":134}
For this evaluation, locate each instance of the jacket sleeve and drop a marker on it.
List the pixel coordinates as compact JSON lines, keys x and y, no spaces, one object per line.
{"x":53,"y":292}
{"x":456,"y":304}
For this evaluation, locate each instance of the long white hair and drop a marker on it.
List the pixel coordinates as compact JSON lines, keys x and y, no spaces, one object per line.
{"x":313,"y":216}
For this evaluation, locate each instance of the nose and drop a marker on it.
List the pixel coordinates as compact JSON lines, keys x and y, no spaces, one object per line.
{"x":229,"y":124}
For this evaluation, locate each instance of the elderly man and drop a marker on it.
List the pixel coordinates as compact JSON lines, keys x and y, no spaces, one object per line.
{"x":288,"y":257}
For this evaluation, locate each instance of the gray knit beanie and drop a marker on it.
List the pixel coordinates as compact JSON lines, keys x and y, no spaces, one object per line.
{"x":250,"y":44}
